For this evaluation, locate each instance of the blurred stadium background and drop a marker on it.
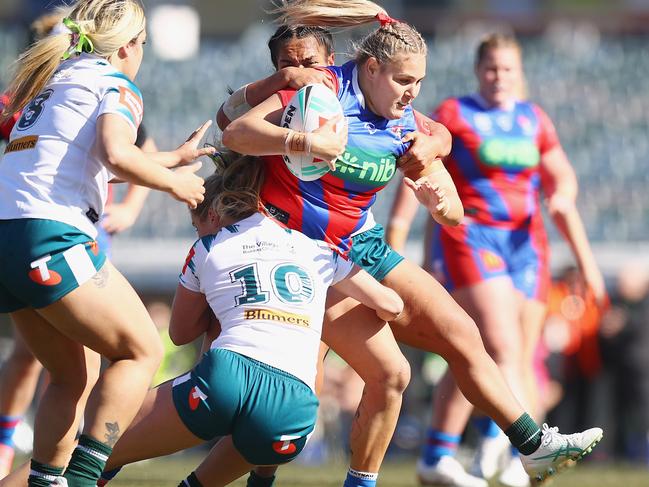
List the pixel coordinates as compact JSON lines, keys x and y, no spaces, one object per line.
{"x":587,"y":65}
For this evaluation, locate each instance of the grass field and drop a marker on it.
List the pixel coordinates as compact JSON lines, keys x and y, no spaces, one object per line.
{"x":169,"y":472}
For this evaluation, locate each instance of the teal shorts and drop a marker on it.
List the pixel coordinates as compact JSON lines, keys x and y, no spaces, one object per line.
{"x":269,"y":412}
{"x":371,"y":252}
{"x":43,"y":260}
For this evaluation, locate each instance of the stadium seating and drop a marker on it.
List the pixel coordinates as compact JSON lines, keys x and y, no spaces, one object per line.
{"x":594,"y":91}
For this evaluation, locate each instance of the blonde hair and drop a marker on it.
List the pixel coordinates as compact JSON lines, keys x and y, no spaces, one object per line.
{"x":232,"y":192}
{"x":392,"y":38}
{"x":110,"y":24}
{"x":500,"y":40}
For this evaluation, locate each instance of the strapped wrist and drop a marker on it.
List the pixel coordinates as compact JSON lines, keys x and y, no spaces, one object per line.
{"x":237,"y":104}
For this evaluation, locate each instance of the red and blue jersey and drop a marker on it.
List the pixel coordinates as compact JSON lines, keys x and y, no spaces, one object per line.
{"x":337,"y":206}
{"x":495,"y":158}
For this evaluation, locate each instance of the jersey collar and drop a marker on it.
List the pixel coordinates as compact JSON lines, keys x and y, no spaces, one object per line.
{"x":478,"y":98}
{"x":357,"y":88}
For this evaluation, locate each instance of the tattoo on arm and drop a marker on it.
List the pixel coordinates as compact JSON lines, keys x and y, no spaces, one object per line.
{"x":101,"y":278}
{"x":112,"y":434}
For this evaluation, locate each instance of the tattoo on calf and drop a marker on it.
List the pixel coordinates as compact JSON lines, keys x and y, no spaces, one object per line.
{"x":101,"y":278}
{"x":112,"y":434}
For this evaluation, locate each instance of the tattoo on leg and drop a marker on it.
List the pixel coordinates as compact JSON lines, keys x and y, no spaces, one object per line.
{"x":101,"y":278}
{"x":113,"y":433}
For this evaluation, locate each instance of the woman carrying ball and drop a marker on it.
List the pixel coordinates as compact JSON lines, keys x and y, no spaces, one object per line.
{"x":376,"y":91}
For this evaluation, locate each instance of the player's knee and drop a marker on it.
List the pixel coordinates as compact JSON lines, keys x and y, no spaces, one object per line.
{"x":25,"y":362}
{"x":395,"y":379}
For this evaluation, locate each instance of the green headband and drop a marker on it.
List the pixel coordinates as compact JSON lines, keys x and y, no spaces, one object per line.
{"x":79,"y":41}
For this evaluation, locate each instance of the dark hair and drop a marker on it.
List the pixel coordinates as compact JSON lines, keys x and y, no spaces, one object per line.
{"x":287,"y":32}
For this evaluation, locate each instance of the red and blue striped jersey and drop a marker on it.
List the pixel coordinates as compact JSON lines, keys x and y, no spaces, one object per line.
{"x":495,"y":158}
{"x":337,"y":206}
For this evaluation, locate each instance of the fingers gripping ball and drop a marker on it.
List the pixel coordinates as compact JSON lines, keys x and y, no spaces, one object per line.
{"x":310,"y":108}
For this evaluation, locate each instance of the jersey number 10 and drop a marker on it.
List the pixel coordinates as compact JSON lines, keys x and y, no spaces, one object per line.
{"x":289,"y":282}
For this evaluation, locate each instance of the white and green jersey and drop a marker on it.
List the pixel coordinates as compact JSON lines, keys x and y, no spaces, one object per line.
{"x":267,"y":286}
{"x":50,"y":168}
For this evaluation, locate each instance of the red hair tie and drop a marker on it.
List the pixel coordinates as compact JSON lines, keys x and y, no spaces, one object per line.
{"x":385,"y":19}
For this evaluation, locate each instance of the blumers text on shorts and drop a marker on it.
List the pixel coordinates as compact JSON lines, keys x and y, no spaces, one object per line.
{"x":269,"y":413}
{"x":43,"y":260}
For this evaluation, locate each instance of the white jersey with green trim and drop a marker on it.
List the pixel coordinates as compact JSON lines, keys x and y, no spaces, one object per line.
{"x":50,"y":168}
{"x":267,"y":286}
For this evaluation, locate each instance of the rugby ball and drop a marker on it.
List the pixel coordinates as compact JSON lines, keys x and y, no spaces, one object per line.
{"x":310,"y":108}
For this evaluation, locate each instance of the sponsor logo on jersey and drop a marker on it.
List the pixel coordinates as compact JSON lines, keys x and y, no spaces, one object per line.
{"x":195,"y":397}
{"x":93,"y":246}
{"x":279,"y":316}
{"x":363,"y":167}
{"x":41,"y":274}
{"x":505,"y":122}
{"x":285,"y":445}
{"x":492,"y":262}
{"x":509,"y":153}
{"x":261,"y":246}
{"x":129,"y":99}
{"x":23,"y":143}
{"x":483,"y":122}
{"x":371,"y":129}
{"x":277,"y":213}
{"x":526,"y":124}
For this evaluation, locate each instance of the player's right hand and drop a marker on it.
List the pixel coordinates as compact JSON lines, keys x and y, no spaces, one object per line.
{"x":189,"y":151}
{"x":296,"y":78}
{"x":188,"y":187}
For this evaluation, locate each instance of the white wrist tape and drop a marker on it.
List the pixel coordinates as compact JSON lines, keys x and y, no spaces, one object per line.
{"x":236,"y":105}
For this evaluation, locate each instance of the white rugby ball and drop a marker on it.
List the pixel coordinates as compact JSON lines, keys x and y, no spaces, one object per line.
{"x":310,"y":108}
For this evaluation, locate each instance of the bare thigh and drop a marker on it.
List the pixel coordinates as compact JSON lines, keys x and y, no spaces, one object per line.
{"x":106,"y":315}
{"x":157,"y":430}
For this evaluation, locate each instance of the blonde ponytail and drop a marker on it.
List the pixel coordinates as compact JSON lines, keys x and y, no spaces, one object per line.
{"x":391,"y":39}
{"x":330,"y":13}
{"x":109,"y":24}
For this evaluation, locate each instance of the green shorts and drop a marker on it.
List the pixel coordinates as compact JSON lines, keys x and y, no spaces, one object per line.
{"x":43,"y":260}
{"x":269,"y":412}
{"x":371,"y":252}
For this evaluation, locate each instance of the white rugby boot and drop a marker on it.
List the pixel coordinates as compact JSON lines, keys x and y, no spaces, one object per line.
{"x":447,"y":472}
{"x":490,"y":456}
{"x":514,"y":475}
{"x":557,"y":451}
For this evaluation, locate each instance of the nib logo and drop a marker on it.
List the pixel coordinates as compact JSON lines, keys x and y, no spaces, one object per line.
{"x":284,"y":445}
{"x":40,"y":273}
{"x":195,"y":398}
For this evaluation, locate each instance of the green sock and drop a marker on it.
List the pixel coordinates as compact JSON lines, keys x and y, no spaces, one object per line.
{"x":42,"y":475}
{"x":256,"y":481}
{"x":525,"y":434}
{"x":87,"y":462}
{"x":191,"y":481}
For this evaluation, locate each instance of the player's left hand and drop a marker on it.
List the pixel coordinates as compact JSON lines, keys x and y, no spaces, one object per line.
{"x":431,"y":195}
{"x":595,"y":282}
{"x":117,"y":218}
{"x":189,"y":151}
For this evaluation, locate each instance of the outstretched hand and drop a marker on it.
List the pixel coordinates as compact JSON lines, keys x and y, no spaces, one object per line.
{"x":431,"y":195}
{"x":188,"y":187}
{"x":189,"y":150}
